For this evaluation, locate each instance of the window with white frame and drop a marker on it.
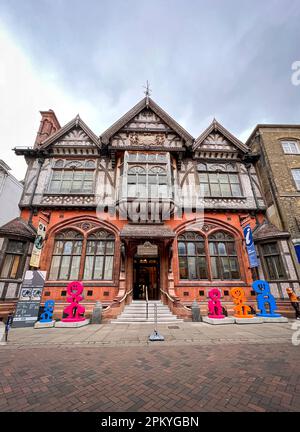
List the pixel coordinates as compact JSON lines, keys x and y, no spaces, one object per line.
{"x":290,"y":147}
{"x":296,"y":176}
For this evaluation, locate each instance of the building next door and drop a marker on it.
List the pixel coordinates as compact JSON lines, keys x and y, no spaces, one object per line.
{"x":146,"y":274}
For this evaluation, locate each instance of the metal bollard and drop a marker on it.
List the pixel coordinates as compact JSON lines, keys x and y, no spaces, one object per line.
{"x":97,"y":313}
{"x":196,"y":315}
{"x":155,"y":336}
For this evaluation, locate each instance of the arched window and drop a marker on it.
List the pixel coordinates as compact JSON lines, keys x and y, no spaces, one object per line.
{"x":147,"y":181}
{"x":224,"y":262}
{"x":66,"y":256}
{"x":192,"y":260}
{"x":99,"y":256}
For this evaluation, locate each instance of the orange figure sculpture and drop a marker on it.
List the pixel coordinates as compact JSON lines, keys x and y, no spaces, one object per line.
{"x":241,"y":309}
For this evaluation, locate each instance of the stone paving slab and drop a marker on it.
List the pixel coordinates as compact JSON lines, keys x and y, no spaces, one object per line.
{"x":181,"y":333}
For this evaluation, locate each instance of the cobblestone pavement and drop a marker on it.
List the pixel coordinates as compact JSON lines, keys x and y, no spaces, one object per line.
{"x":214,"y":369}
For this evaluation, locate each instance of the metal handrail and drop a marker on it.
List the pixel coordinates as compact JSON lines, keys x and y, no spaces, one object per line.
{"x":147,"y":302}
{"x":172,"y":299}
{"x":120,"y":301}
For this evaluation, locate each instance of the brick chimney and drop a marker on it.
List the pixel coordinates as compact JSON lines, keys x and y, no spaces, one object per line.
{"x":48,"y":126}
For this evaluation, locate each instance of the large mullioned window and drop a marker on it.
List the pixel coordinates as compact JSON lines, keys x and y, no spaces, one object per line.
{"x":74,"y":177}
{"x":148,"y":175}
{"x":12,"y":259}
{"x":209,"y":258}
{"x":192,"y":257}
{"x":273,"y":261}
{"x":219,"y":181}
{"x":75,"y":257}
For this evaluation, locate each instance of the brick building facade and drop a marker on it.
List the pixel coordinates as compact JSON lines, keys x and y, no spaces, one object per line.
{"x":146,"y":205}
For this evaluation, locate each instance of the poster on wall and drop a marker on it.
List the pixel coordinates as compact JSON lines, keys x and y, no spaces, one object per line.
{"x":28,"y":306}
{"x":38,"y":245}
{"x":253,"y":261}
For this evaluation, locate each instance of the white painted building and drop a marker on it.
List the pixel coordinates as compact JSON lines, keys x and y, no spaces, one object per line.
{"x":11,"y":191}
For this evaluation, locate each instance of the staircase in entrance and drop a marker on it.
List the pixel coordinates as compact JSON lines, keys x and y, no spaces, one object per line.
{"x":135,"y":312}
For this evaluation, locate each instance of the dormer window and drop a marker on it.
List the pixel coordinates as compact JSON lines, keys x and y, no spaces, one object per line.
{"x":290,"y":147}
{"x":72,"y":177}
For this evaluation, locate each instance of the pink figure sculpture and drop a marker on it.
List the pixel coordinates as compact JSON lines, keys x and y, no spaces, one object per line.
{"x":74,"y":310}
{"x":214,"y":304}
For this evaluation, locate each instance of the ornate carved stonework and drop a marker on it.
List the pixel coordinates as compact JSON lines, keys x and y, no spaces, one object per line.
{"x":76,"y":137}
{"x":68,"y":200}
{"x":215,"y":141}
{"x":208,"y":227}
{"x":134,"y":139}
{"x":147,"y":139}
{"x":148,"y":120}
{"x":86,"y":226}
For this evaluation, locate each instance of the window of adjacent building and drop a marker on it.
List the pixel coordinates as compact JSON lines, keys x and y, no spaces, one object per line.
{"x":72,"y":177}
{"x":273,"y":261}
{"x":12,"y":259}
{"x":296,"y":176}
{"x":224,"y":262}
{"x":290,"y":147}
{"x":99,"y":256}
{"x":194,"y":252}
{"x":76,"y":257}
{"x":219,"y":181}
{"x":192,"y":257}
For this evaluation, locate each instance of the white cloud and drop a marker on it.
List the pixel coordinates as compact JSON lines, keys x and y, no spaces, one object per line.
{"x":25,"y":89}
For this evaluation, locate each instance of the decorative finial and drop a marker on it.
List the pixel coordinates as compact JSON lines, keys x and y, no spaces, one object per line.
{"x":147,"y":91}
{"x":77,"y":119}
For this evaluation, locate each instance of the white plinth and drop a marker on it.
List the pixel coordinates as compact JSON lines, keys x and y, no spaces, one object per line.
{"x":254,"y":320}
{"x":40,"y":324}
{"x":218,"y":321}
{"x":72,"y":324}
{"x":275,"y":319}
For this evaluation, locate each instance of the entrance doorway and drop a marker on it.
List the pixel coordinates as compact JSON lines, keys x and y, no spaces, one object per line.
{"x":145,"y":274}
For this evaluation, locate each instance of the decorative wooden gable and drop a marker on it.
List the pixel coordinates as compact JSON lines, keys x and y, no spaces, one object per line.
{"x":146,"y":126}
{"x":74,"y":138}
{"x":217,"y":142}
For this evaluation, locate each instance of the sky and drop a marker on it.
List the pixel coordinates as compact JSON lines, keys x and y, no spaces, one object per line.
{"x":228,"y":59}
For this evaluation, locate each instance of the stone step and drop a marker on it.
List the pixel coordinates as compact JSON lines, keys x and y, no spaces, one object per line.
{"x":135,"y":312}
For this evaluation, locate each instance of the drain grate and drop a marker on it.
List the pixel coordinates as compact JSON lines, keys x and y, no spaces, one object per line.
{"x":173,"y":327}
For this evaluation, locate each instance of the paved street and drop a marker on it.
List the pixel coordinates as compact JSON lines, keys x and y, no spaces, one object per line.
{"x":113,"y":368}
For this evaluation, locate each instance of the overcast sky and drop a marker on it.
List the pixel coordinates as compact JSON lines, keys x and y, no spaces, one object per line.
{"x":215,"y":58}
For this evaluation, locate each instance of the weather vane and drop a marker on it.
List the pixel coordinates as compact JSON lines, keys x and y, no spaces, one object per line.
{"x":147,"y":89}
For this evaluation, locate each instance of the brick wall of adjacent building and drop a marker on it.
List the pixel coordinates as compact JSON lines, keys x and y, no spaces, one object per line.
{"x":274,"y":169}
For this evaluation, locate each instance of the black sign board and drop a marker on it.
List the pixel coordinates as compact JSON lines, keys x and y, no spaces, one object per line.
{"x":30,"y":298}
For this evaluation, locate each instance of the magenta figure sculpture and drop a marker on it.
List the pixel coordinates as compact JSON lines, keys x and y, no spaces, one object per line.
{"x":214,"y":304}
{"x":74,"y":311}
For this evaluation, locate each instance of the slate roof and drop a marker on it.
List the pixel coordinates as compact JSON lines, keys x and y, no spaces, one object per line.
{"x":18,"y":228}
{"x":267,"y":230}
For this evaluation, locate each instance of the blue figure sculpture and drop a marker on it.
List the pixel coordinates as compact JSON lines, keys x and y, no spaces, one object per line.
{"x":46,"y":316}
{"x":262,"y":289}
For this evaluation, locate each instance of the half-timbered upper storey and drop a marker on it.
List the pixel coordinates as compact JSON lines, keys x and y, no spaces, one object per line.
{"x":145,"y":155}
